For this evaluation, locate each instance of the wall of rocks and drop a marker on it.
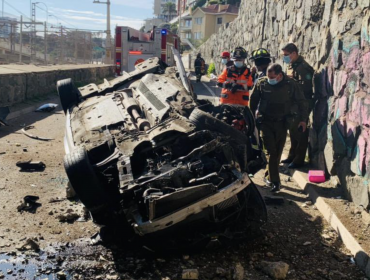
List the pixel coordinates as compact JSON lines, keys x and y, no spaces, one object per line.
{"x":15,"y":88}
{"x":334,"y":37}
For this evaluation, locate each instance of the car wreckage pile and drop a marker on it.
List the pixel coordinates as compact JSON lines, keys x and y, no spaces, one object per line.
{"x":143,"y":150}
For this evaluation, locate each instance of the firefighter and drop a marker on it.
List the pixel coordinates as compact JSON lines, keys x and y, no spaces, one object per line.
{"x":236,"y":80}
{"x":199,"y":65}
{"x":262,"y":60}
{"x":302,"y":72}
{"x":275,"y":100}
{"x":225,"y":59}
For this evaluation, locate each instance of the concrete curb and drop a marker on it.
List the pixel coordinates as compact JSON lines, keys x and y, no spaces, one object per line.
{"x":361,"y":257}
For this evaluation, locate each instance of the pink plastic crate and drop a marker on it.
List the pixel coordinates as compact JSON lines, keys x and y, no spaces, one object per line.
{"x":316,"y":176}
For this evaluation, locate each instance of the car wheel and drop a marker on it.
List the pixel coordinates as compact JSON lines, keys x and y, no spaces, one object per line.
{"x":86,"y":184}
{"x":68,"y":93}
{"x":206,"y":121}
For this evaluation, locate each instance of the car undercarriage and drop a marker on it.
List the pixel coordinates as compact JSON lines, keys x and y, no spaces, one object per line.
{"x":143,"y":148}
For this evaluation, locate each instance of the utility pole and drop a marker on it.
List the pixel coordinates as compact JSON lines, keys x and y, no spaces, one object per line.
{"x":2,"y":10}
{"x":76,"y":49}
{"x":46,"y":43}
{"x":33,"y":33}
{"x":108,"y":42}
{"x":20,"y":40}
{"x":61,"y":59}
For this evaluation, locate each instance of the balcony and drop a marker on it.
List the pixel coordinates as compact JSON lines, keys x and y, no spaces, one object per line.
{"x":185,"y":28}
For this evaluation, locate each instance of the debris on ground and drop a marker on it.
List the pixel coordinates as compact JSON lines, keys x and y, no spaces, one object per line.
{"x":70,"y":192}
{"x":69,"y":217}
{"x":190,"y":274}
{"x":30,"y":245}
{"x":276,"y":270}
{"x":29,"y":204}
{"x":274,"y":200}
{"x":61,"y":275}
{"x":55,"y":200}
{"x":2,"y":153}
{"x":30,"y":165}
{"x":34,"y":136}
{"x":49,"y":107}
{"x":238,"y":272}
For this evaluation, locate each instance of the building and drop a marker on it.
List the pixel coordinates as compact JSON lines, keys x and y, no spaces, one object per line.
{"x":158,"y":10}
{"x":207,"y":20}
{"x":7,"y":26}
{"x":151,"y":22}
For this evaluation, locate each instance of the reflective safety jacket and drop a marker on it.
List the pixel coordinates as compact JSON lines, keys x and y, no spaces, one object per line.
{"x":239,"y":76}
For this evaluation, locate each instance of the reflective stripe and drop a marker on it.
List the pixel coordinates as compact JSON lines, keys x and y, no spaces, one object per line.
{"x":230,"y":80}
{"x":241,"y":81}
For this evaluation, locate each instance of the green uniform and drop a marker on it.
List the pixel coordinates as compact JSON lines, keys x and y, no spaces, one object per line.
{"x":302,"y":72}
{"x":276,"y":106}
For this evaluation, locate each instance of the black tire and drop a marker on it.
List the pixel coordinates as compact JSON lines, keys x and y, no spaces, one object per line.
{"x":85,"y":181}
{"x":68,"y":93}
{"x":205,"y":121}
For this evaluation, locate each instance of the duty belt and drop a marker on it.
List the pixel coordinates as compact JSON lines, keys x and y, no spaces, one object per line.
{"x":273,"y":119}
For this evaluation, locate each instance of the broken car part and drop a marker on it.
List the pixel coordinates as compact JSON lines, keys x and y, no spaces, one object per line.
{"x":31,"y":165}
{"x":33,"y":136}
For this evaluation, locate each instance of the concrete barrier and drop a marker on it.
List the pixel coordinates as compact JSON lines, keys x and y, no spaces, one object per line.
{"x":19,"y":83}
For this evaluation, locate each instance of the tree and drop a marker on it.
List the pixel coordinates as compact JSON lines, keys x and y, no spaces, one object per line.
{"x":174,"y":27}
{"x":142,"y":29}
{"x":169,"y":8}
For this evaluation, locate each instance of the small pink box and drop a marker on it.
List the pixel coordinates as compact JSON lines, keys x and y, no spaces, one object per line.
{"x":316,"y":176}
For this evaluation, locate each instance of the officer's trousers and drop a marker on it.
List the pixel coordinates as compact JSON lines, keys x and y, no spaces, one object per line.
{"x":298,"y":140}
{"x":274,"y":136}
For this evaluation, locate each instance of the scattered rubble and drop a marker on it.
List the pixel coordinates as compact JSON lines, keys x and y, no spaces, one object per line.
{"x":34,"y":136}
{"x":69,"y":217}
{"x":190,"y":274}
{"x":30,"y":245}
{"x":30,"y":165}
{"x":276,"y":270}
{"x":29,"y":204}
{"x":238,"y":272}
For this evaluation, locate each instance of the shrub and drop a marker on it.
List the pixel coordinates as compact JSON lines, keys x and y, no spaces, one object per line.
{"x":211,"y":69}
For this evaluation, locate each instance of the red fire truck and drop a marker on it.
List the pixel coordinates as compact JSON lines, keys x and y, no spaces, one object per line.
{"x":133,"y":47}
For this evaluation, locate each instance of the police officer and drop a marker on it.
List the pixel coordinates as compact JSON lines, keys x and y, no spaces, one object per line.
{"x":262,"y":60}
{"x":274,"y":100}
{"x":302,"y":72}
{"x":199,"y":66}
{"x":236,"y":80}
{"x":225,"y":59}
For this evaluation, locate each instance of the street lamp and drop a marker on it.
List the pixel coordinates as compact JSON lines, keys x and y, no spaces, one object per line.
{"x":47,"y":9}
{"x":56,"y":18}
{"x":108,"y":47}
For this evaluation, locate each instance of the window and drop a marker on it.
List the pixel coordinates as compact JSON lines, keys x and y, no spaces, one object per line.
{"x":197,"y":35}
{"x":198,"y":20}
{"x":219,"y":20}
{"x":188,"y":35}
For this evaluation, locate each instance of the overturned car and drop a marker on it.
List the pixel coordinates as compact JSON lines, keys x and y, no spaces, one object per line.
{"x":143,"y":149}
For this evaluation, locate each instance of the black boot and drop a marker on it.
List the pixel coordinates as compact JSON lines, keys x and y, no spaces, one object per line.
{"x":276,"y":188}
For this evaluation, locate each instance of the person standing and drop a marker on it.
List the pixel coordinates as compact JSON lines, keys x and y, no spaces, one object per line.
{"x":199,"y":66}
{"x":302,"y":72}
{"x":236,"y":80}
{"x":262,"y":60}
{"x":225,"y":59}
{"x":274,"y":100}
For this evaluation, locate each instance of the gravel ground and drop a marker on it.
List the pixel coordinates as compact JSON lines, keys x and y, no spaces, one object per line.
{"x":295,"y":234}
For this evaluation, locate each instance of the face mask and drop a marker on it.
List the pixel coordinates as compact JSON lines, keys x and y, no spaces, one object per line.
{"x":287,"y":59}
{"x":272,"y":81}
{"x":238,"y":64}
{"x":224,"y":61}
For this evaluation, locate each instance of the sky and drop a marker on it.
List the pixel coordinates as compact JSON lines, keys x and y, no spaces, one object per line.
{"x":84,"y":14}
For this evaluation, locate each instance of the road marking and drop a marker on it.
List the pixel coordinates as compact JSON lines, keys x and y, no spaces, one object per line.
{"x":209,"y":90}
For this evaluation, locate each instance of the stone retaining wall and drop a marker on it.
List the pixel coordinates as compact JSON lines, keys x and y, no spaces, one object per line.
{"x":19,"y":87}
{"x":334,"y":37}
